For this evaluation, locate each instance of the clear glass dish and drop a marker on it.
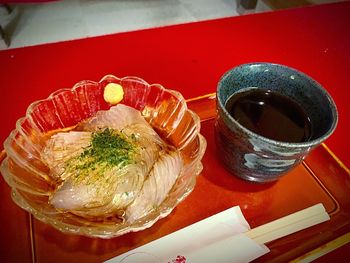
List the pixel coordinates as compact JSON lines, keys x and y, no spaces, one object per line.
{"x":29,"y":178}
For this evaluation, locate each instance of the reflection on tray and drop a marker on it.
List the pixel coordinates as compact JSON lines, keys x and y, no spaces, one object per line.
{"x":320,"y":179}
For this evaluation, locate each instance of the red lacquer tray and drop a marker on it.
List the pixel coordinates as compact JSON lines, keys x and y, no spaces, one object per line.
{"x":322,"y":178}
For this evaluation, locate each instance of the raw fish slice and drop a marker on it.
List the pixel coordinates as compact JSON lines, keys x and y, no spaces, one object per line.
{"x":157,"y":186}
{"x":124,"y":191}
{"x":131,"y":123}
{"x":100,"y":194}
{"x":117,"y":117}
{"x":62,"y":147}
{"x":150,"y":144}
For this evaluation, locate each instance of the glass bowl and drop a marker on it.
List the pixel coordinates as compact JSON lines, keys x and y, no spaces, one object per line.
{"x":29,"y":177}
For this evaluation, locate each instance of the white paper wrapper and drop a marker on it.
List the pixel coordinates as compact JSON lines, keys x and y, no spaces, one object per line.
{"x":219,"y":238}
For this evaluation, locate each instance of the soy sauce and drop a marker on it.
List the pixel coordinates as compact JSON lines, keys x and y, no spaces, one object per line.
{"x":270,"y":114}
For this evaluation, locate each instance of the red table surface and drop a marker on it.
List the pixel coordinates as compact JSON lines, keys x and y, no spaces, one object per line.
{"x":190,"y":58}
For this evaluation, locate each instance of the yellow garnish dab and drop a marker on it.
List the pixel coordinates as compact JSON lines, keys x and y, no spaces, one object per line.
{"x":113,"y":93}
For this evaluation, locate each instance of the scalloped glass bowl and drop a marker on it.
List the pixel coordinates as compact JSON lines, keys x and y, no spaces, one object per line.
{"x":27,"y":175}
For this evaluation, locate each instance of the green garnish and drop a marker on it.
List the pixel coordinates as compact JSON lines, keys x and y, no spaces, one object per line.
{"x":108,"y":149}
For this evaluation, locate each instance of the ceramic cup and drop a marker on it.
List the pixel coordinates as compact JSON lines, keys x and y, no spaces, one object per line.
{"x":256,"y":158}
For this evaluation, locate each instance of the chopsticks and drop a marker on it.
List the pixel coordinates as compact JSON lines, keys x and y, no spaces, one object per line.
{"x":289,"y":224}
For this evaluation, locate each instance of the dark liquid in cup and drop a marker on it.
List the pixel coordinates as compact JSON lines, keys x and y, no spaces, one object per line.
{"x":270,"y":114}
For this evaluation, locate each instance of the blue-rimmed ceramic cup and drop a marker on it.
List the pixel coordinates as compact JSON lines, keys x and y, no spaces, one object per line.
{"x":253,"y":157}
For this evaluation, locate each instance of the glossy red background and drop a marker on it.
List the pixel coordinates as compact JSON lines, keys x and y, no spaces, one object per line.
{"x":190,"y":58}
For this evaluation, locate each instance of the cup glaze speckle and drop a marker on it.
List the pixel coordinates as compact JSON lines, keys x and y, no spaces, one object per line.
{"x":253,"y":157}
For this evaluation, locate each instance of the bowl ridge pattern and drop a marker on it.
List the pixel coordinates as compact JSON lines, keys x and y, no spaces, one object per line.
{"x":29,"y":177}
